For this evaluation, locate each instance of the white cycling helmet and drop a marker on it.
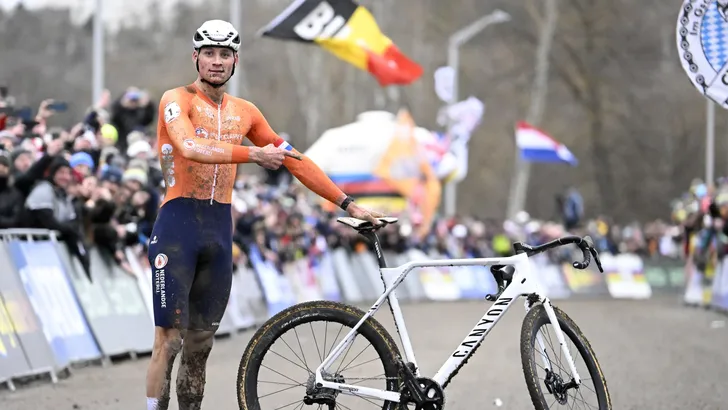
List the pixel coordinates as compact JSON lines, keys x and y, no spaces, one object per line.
{"x":216,"y":33}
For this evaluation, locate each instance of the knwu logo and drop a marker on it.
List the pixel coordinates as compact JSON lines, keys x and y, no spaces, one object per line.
{"x":322,"y":22}
{"x":160,"y":260}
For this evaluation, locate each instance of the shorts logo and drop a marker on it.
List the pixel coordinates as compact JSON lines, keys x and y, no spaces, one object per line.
{"x":702,"y":43}
{"x":188,"y":144}
{"x":160,"y":261}
{"x":167,"y":149}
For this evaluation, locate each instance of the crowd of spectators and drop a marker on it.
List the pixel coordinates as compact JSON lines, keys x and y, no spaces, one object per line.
{"x":99,"y":184}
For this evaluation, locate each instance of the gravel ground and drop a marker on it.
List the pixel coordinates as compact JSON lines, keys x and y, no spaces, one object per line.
{"x":655,"y":354}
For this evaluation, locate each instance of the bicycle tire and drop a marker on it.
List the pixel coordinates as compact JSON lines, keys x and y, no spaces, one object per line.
{"x":534,"y":320}
{"x":301,"y":314}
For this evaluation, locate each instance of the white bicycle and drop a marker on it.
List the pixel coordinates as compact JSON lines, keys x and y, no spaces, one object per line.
{"x":326,"y":385}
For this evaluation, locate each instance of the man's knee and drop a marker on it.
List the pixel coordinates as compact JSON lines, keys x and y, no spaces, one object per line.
{"x":167,"y":342}
{"x":199,"y":340}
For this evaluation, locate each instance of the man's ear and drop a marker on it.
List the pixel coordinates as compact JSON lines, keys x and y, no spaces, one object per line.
{"x":195,"y":54}
{"x":236,"y":59}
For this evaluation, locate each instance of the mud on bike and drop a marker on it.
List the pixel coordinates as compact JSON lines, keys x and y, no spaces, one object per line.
{"x":323,"y":383}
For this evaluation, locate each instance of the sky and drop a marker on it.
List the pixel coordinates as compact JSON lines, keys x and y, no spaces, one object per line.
{"x":116,"y":12}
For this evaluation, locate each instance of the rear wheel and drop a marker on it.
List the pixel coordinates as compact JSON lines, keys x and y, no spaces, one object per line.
{"x":550,"y":389}
{"x":281,"y":358}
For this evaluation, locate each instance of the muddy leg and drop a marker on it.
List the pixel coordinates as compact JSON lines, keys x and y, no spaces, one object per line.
{"x":167,"y":344}
{"x":191,"y":373}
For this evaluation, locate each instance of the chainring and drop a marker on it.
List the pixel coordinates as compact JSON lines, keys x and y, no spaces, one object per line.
{"x":433,"y":392}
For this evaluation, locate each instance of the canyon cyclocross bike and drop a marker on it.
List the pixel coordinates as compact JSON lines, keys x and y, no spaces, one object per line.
{"x":324,"y":384}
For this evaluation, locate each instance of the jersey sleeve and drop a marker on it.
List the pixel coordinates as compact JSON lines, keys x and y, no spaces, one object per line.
{"x":174,"y":116}
{"x":306,"y":171}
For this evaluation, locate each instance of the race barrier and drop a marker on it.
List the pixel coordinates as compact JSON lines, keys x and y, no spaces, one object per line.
{"x":707,"y":290}
{"x":53,"y":317}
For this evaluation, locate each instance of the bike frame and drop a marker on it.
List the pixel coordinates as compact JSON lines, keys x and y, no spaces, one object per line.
{"x":523,"y":284}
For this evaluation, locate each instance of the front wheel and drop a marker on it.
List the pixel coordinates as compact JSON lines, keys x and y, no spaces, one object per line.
{"x":277,"y":368}
{"x":552,"y":388}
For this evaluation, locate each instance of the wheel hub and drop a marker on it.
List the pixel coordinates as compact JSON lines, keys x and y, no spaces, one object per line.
{"x":556,"y":386}
{"x":321,"y":395}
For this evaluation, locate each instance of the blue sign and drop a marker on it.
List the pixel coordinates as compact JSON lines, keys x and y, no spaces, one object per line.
{"x":51,"y":294}
{"x":277,"y":290}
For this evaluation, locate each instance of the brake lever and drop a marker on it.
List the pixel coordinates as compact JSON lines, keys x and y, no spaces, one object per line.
{"x":595,"y":254}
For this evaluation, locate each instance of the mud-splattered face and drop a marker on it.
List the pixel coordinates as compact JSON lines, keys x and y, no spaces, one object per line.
{"x":215,"y":64}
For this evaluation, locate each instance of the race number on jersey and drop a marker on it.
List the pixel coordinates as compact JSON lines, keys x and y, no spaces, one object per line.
{"x":171,"y":111}
{"x":702,"y":42}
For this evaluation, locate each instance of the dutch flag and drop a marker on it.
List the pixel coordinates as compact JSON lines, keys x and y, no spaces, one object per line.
{"x":281,"y":143}
{"x":536,"y":146}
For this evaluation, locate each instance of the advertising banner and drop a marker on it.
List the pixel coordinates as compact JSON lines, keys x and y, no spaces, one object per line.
{"x":12,"y":358}
{"x":342,"y":266}
{"x":52,"y":297}
{"x":624,"y":276}
{"x":276,"y":288}
{"x":584,"y":281}
{"x":25,"y":323}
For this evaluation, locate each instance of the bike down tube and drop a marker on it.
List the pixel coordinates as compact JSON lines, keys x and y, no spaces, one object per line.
{"x":519,"y":286}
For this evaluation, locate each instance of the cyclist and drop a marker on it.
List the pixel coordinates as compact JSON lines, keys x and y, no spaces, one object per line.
{"x":200,"y":132}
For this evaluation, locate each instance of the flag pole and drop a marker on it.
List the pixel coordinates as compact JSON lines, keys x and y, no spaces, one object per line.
{"x":519,"y":186}
{"x":456,"y":40}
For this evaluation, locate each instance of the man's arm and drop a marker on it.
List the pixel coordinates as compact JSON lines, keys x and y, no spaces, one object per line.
{"x":261,"y":134}
{"x":174,"y":116}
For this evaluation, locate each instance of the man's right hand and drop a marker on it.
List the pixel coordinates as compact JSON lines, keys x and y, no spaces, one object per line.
{"x":270,"y":156}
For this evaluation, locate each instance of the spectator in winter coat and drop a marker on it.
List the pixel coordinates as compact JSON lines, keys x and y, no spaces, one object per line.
{"x":11,"y":201}
{"x":132,"y":111}
{"x":50,"y":207}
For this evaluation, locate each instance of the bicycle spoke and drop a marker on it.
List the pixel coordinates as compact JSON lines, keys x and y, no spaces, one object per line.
{"x":361,"y":364}
{"x":296,"y":354}
{"x":274,"y":371}
{"x":315,"y":341}
{"x":289,"y":404}
{"x":348,"y":349}
{"x":333,"y":345}
{"x":282,"y":384}
{"x":355,"y":357}
{"x":279,"y":391}
{"x":301,"y":347}
{"x":288,"y":360}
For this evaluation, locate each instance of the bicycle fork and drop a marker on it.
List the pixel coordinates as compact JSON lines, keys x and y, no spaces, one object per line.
{"x":562,"y":343}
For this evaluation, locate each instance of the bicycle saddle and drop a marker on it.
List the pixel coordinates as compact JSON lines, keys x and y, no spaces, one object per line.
{"x":360,"y":224}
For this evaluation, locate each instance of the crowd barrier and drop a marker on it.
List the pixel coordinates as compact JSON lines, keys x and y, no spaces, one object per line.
{"x":707,"y":288}
{"x":53,"y":317}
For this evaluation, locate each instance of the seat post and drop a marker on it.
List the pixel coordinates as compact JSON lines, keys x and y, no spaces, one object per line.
{"x":371,"y":235}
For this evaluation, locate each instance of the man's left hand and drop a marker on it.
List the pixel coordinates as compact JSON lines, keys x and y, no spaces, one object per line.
{"x":356,"y":211}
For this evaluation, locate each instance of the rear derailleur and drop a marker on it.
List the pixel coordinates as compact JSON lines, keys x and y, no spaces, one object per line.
{"x":424,"y":393}
{"x":321,"y":395}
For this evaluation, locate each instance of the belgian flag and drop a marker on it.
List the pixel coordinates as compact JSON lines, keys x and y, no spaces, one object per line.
{"x":350,"y":32}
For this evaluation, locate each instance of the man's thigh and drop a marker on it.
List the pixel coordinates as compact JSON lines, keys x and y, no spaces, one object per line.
{"x":211,"y":288}
{"x":173,"y":262}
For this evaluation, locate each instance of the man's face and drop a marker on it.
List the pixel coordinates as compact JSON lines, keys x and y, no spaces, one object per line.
{"x":23,"y":162}
{"x":215,"y":64}
{"x":63,"y":177}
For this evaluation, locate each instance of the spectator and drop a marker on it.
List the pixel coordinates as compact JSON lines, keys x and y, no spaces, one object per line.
{"x":131,"y":112}
{"x":82,"y":163}
{"x":11,"y":201}
{"x":49,"y":206}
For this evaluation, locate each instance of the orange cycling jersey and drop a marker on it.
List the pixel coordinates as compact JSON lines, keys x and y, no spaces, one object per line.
{"x":200,"y":143}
